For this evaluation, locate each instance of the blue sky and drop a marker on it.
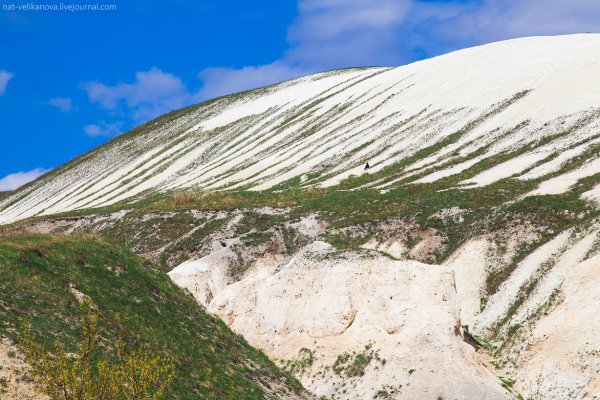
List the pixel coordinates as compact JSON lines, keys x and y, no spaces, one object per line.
{"x":70,"y":81}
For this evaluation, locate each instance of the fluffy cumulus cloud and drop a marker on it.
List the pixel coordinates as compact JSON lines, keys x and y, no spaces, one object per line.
{"x":329,"y":34}
{"x":338,"y":33}
{"x":516,"y":18}
{"x":152,"y":93}
{"x":104,"y":129}
{"x":64,"y":104}
{"x":18,"y":179}
{"x":5,"y":76}
{"x":444,"y":27}
{"x":326,"y":34}
{"x":219,"y":81}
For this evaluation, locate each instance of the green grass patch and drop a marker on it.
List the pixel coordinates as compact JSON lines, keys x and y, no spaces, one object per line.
{"x":137,"y":304}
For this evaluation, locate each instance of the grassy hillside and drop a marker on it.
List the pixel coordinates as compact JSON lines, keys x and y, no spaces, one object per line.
{"x":41,"y":276}
{"x":483,"y":209}
{"x":3,"y":195}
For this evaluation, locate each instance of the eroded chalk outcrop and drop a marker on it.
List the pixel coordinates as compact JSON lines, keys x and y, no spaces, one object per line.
{"x":355,"y":325}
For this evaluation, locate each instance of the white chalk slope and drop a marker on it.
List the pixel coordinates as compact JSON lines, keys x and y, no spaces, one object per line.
{"x":501,"y":96}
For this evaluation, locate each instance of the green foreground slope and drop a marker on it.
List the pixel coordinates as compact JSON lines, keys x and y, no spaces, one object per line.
{"x":42,"y":276}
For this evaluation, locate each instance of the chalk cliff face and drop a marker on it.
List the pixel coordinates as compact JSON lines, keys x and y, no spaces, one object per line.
{"x":460,"y":265}
{"x":352,"y":325}
{"x":360,"y":324}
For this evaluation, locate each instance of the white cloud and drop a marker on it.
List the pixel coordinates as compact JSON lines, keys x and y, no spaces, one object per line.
{"x":103,"y":128}
{"x":64,"y":104}
{"x":326,"y":34}
{"x":337,"y":33}
{"x":220,"y":81}
{"x":5,"y":76}
{"x":516,"y":18}
{"x":330,"y":34}
{"x":450,"y":27}
{"x":18,"y":179}
{"x":323,"y":19}
{"x":153,"y":93}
